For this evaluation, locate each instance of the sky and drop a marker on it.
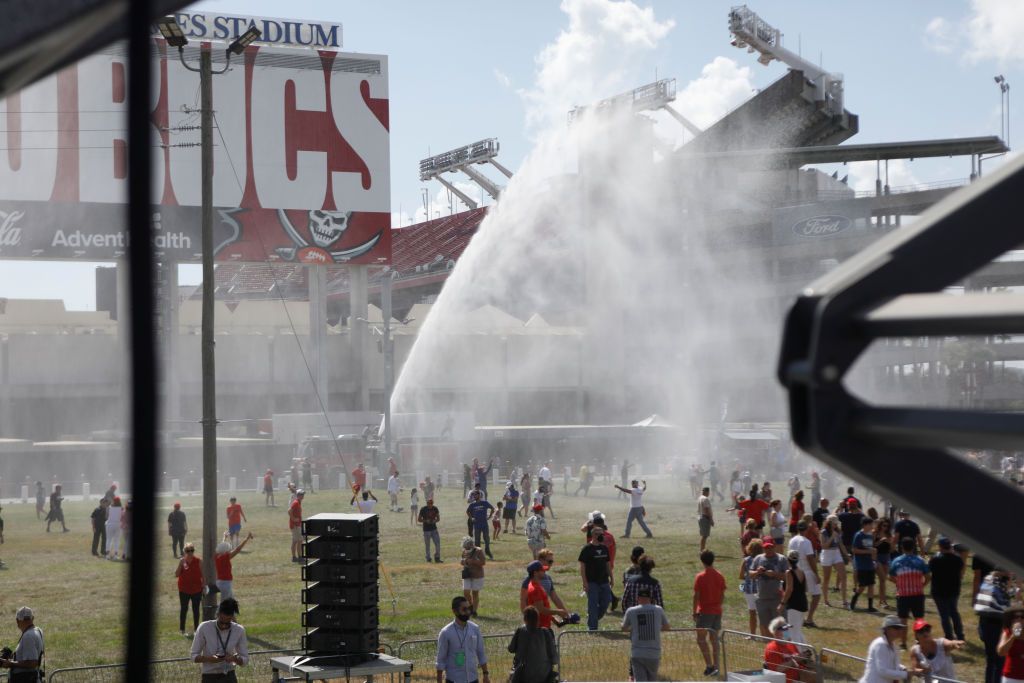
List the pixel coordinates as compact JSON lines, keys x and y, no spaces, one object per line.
{"x":462,"y":70}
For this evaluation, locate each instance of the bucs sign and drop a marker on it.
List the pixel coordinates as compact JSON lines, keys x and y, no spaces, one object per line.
{"x":301,"y":159}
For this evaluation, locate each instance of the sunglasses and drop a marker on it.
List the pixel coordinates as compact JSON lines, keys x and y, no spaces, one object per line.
{"x":190,"y":551}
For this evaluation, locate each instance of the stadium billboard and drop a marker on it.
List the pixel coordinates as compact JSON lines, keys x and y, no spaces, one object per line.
{"x":301,"y":158}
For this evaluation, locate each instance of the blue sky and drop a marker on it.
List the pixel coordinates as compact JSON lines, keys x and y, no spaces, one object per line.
{"x":461,"y":71}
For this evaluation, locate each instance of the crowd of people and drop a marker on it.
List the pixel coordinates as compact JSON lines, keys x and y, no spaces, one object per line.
{"x":800,"y":563}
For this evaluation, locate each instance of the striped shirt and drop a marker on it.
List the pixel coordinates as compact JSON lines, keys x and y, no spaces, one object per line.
{"x":992,"y":599}
{"x":909,"y":571}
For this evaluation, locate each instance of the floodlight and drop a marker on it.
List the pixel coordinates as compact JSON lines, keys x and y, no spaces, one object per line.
{"x":172,"y":32}
{"x":243,"y":41}
{"x":999,"y":79}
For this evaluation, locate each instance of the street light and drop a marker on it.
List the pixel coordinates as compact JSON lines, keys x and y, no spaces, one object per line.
{"x":175,"y":37}
{"x":1004,"y":107}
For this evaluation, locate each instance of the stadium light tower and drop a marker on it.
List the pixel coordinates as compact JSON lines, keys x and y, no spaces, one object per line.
{"x":756,"y":35}
{"x":656,"y":95}
{"x":461,"y":159}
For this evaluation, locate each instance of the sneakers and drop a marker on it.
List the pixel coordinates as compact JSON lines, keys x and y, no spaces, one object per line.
{"x":437,"y":560}
{"x":428,"y":559}
{"x":711,"y":671}
{"x":853,"y":601}
{"x":490,"y":556}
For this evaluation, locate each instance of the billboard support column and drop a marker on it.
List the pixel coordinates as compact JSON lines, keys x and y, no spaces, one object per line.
{"x":318,"y":330}
{"x":171,"y":332}
{"x":358,"y":277}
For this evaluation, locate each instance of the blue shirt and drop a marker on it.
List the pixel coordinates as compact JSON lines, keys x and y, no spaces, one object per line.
{"x":513,"y":499}
{"x":479,"y":510}
{"x":863,"y":541}
{"x":454,"y":639}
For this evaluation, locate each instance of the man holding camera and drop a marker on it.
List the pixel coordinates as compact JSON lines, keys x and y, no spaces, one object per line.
{"x":220,"y":645}
{"x":26,"y":661}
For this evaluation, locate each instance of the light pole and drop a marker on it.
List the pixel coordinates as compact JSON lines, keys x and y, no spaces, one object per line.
{"x":175,"y":37}
{"x":1004,"y":107}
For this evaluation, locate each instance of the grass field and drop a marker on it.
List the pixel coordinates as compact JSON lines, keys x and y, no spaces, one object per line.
{"x":81,"y":601}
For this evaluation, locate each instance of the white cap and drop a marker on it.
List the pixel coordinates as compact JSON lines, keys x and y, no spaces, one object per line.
{"x":24,"y":613}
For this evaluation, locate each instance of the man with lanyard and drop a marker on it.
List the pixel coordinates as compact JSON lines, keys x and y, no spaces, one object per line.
{"x":460,"y":648}
{"x":27,"y":662}
{"x":220,"y":645}
{"x":429,"y":516}
{"x":480,"y":512}
{"x":295,"y":524}
{"x":705,"y":516}
{"x":636,"y":508}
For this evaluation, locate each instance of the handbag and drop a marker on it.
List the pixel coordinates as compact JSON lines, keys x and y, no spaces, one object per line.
{"x":466,"y":573}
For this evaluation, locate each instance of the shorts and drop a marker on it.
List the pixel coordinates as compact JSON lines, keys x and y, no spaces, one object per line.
{"x":767,"y":609}
{"x":911,"y":604}
{"x":813,"y":587}
{"x":508,"y":513}
{"x":268,"y":488}
{"x":865,"y":577}
{"x":704,"y":524}
{"x":831,"y":557}
{"x":751,"y":601}
{"x":711,"y":621}
{"x":296,"y":534}
{"x":882,"y":559}
{"x":234,"y":528}
{"x":473,"y":584}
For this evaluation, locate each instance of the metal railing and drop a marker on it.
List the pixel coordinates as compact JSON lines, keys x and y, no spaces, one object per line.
{"x":839,"y":666}
{"x":745,"y":653}
{"x":173,"y":670}
{"x":604,"y":655}
{"x":423,"y":655}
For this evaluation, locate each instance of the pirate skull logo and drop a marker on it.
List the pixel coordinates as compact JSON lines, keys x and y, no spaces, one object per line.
{"x":327,"y":227}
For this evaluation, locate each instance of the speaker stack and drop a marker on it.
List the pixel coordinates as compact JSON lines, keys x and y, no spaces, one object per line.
{"x":340,"y":574}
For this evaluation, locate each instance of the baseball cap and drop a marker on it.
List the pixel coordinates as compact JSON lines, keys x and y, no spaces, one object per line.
{"x":25,"y":613}
{"x":300,"y":492}
{"x":793,"y":555}
{"x":945,"y":542}
{"x":767,"y":543}
{"x":534,"y":566}
{"x":538,"y":508}
{"x":892,"y":621}
{"x":177,"y":506}
{"x":920,"y":625}
{"x":779,"y":624}
{"x":643,"y":591}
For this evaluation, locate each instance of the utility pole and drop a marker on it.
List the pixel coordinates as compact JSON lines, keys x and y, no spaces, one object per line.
{"x":208,"y":341}
{"x":389,"y":357}
{"x":175,"y":37}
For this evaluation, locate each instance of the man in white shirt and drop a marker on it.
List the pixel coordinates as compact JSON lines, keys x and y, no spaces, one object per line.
{"x":636,"y":507}
{"x":808,"y":563}
{"x":883,"y":662}
{"x":220,"y":645}
{"x":705,"y":516}
{"x":394,"y":487}
{"x":545,"y":473}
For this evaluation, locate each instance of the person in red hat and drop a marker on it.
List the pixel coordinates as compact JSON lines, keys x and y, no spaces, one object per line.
{"x":769,"y":568}
{"x":934,"y":655}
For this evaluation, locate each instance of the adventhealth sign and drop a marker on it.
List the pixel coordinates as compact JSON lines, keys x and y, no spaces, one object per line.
{"x":227,"y":27}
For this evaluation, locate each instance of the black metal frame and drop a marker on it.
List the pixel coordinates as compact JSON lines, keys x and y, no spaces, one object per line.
{"x":883,"y":292}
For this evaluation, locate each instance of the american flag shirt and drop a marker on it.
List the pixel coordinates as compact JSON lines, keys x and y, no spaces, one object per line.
{"x":909,"y":571}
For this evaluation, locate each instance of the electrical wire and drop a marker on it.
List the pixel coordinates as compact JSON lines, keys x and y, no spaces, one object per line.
{"x":288,"y":315}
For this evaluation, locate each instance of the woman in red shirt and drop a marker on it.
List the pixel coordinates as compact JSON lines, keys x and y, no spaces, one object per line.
{"x":190,"y":586}
{"x":222,"y":560}
{"x":1011,"y":646}
{"x":796,"y":511}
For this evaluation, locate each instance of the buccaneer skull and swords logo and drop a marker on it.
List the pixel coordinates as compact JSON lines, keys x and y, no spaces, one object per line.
{"x":326,"y":229}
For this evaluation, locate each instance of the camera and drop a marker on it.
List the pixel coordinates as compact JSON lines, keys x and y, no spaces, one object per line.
{"x":6,"y":653}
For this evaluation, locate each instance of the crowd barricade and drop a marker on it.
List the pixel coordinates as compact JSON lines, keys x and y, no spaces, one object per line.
{"x":744,"y":653}
{"x":839,"y":666}
{"x":423,"y":655}
{"x":604,"y":655}
{"x":174,"y":670}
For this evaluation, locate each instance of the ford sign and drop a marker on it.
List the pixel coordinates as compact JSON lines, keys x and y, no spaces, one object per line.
{"x":821,"y":226}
